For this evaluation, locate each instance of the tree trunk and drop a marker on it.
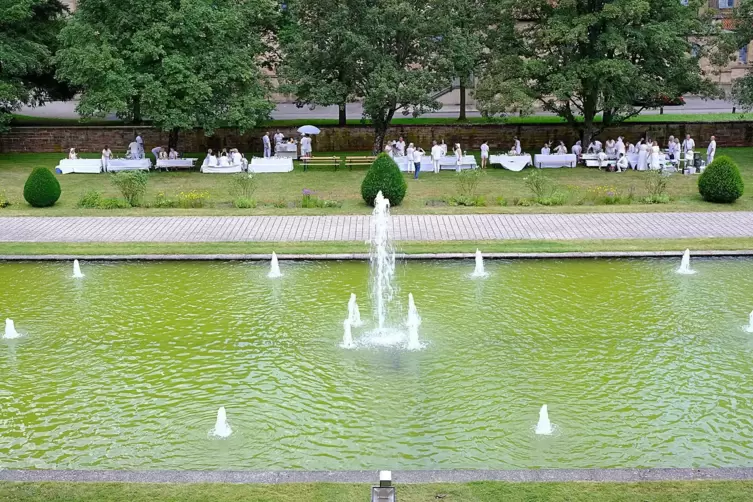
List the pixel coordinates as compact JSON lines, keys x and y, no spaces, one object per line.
{"x":136,"y":110}
{"x":380,"y":131}
{"x":172,"y":141}
{"x":462,"y":100}
{"x":342,"y":118}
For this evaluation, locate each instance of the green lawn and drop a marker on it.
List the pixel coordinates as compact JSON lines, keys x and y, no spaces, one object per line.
{"x":697,"y":491}
{"x":280,"y":194}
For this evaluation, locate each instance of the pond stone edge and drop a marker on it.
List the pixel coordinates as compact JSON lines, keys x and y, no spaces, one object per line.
{"x":399,"y":477}
{"x":365,"y":256}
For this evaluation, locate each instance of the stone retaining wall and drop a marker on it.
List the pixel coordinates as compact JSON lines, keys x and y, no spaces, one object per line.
{"x":360,"y":138}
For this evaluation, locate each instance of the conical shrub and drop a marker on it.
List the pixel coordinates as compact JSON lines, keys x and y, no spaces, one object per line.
{"x":384,"y":176}
{"x":42,"y":189}
{"x":721,"y":181}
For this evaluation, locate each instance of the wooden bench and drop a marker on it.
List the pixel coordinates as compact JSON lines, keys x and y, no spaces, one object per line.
{"x":359,"y":161}
{"x":320,"y":161}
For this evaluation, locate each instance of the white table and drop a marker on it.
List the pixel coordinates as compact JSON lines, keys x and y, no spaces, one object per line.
{"x":451,"y":163}
{"x":271,"y":165}
{"x":565,"y":160}
{"x":511,"y":162}
{"x":128,"y":165}
{"x":82,"y":166}
{"x":231,"y":169}
{"x":176,"y":163}
{"x":286,"y":150}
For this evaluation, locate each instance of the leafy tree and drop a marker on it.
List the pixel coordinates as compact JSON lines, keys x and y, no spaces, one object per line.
{"x":584,"y":58}
{"x":182,"y":64}
{"x":742,"y":88}
{"x":28,"y":40}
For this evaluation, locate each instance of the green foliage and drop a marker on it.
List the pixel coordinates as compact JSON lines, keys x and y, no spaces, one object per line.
{"x":243,"y":186}
{"x":4,"y":201}
{"x":132,"y":184}
{"x":468,"y":182}
{"x":539,"y":184}
{"x":90,"y":199}
{"x":310,"y":201}
{"x":243,"y":203}
{"x":384,"y":176}
{"x":42,"y":189}
{"x":656,"y":186}
{"x":113,"y":203}
{"x":721,"y":181}
{"x":193,"y":199}
{"x":162,"y":201}
{"x":465,"y":200}
{"x":28,"y":40}
{"x":181,"y":65}
{"x":501,"y":201}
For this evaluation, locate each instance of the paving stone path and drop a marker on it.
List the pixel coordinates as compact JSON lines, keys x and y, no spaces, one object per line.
{"x":357,"y":228}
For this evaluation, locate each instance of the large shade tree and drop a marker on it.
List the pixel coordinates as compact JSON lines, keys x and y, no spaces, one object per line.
{"x":181,"y":64}
{"x":28,"y":40}
{"x":581,"y":59}
{"x":741,"y":36}
{"x":384,"y":52}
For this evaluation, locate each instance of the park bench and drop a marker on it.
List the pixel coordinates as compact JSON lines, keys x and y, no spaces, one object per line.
{"x":320,"y":161}
{"x":359,"y":161}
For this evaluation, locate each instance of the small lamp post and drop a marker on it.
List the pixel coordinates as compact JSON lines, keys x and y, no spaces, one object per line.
{"x":385,"y":492}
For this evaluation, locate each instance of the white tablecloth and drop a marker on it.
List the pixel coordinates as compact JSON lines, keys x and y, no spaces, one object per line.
{"x":566,"y":160}
{"x":176,"y":163}
{"x":128,"y":165}
{"x":512,"y":162}
{"x":270,"y":165}
{"x":286,"y":151}
{"x":83,"y":166}
{"x":231,"y":169}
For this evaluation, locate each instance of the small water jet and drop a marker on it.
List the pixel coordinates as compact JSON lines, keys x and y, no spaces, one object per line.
{"x":354,"y":314}
{"x":274,"y":268}
{"x":347,"y":335}
{"x":382,"y":259}
{"x":77,"y":270}
{"x":544,"y":427}
{"x":479,"y":270}
{"x":221,"y":426}
{"x":685,"y":264}
{"x":10,"y":330}
{"x":749,"y":329}
{"x":414,"y":321}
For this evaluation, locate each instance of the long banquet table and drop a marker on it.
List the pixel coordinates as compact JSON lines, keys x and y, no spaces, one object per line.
{"x":562,"y":160}
{"x":287,"y":150}
{"x":79,"y":166}
{"x":447,"y":163}
{"x":511,"y":162}
{"x":176,"y":163}
{"x":114,"y":165}
{"x":271,"y":165}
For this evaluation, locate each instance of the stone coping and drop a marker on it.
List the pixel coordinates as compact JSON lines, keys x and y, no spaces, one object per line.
{"x":365,"y":256}
{"x":372,"y":477}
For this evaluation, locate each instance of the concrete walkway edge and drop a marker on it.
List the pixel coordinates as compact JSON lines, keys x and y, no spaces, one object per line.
{"x":399,"y":477}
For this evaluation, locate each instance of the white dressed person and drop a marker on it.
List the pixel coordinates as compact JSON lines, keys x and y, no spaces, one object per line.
{"x":133,"y":150}
{"x":577,"y":149}
{"x":306,"y":146}
{"x":516,"y":146}
{"x":211,"y":160}
{"x":409,"y":155}
{"x":140,"y":142}
{"x":436,"y":156}
{"x":401,"y":147}
{"x":106,"y":154}
{"x":267,"y":145}
{"x":711,"y":150}
{"x":72,"y":155}
{"x":655,"y":152}
{"x":688,"y":145}
{"x":622,"y":163}
{"x":458,"y":157}
{"x":642,"y":157}
{"x":545,"y":149}
{"x":484,"y":154}
{"x":561,"y":149}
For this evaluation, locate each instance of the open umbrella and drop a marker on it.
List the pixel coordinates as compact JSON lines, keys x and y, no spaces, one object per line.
{"x":308,"y":129}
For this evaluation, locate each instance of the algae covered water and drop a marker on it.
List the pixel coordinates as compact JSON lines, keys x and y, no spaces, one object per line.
{"x":127,"y":367}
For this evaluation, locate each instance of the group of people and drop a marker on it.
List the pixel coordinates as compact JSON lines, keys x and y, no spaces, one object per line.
{"x":413,"y":154}
{"x":226,"y":158}
{"x":279,"y":139}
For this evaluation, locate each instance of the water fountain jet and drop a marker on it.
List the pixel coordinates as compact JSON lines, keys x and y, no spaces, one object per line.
{"x":382,"y":259}
{"x":77,"y":270}
{"x":685,"y":264}
{"x":274,"y":268}
{"x":221,"y":426}
{"x":347,"y":335}
{"x":544,"y":427}
{"x":750,"y":325}
{"x":10,"y":330}
{"x":479,"y":270}
{"x":414,"y":321}
{"x":354,"y":314}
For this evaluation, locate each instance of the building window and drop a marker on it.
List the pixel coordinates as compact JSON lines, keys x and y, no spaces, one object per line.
{"x":725,"y":4}
{"x":744,"y":54}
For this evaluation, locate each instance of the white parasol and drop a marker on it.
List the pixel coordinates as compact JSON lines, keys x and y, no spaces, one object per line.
{"x":308,"y":129}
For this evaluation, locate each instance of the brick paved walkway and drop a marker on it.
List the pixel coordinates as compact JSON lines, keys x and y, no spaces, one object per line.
{"x":357,"y":228}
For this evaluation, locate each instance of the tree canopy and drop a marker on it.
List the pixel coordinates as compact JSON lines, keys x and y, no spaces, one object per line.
{"x":583,"y":58}
{"x":742,"y":89}
{"x":182,"y":64}
{"x":28,"y":40}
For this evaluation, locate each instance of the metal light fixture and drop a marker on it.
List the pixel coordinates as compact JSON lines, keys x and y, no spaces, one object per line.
{"x":385,"y":492}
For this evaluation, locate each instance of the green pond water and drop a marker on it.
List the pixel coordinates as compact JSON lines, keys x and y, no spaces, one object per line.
{"x":126,"y":368}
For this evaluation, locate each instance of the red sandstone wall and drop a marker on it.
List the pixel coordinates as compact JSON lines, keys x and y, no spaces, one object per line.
{"x":358,"y":138}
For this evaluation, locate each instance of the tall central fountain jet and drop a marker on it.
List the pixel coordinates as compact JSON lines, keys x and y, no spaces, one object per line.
{"x":382,"y":259}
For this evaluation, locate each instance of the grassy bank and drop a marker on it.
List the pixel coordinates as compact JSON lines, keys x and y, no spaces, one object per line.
{"x":698,"y":491}
{"x":280,"y":194}
{"x":513,"y":246}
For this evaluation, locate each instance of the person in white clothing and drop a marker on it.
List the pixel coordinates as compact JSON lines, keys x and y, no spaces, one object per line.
{"x":306,"y":146}
{"x":400,"y":146}
{"x":389,"y":151}
{"x":278,"y":137}
{"x":267,"y":146}
{"x":711,"y":150}
{"x":443,"y":146}
{"x":620,"y":146}
{"x":671,"y":148}
{"x":133,"y":150}
{"x":654,"y":157}
{"x":561,"y":149}
{"x":516,"y":146}
{"x":484,"y":154}
{"x":611,"y":148}
{"x":545,"y":149}
{"x":436,"y":156}
{"x":688,"y":145}
{"x":602,"y":157}
{"x":409,"y":156}
{"x":224,"y":160}
{"x":72,"y":154}
{"x":577,"y":149}
{"x":106,"y":155}
{"x":211,"y":160}
{"x":140,"y":143}
{"x":458,"y":156}
{"x":642,"y":157}
{"x":417,"y":154}
{"x":156,"y":151}
{"x":631,"y":148}
{"x":173,"y":154}
{"x":235,"y":157}
{"x":622,"y":163}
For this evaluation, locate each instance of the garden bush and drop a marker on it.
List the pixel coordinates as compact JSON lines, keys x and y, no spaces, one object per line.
{"x":244,"y":203}
{"x":42,"y":189}
{"x":90,"y":199}
{"x":384,"y":176}
{"x":4,"y":201}
{"x":113,"y":203}
{"x":132,"y":184}
{"x":243,"y":186}
{"x":721,"y":181}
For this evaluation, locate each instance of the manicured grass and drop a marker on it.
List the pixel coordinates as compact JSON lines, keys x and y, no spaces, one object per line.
{"x":698,"y":491}
{"x":26,"y":120}
{"x":321,"y":248}
{"x":280,"y":194}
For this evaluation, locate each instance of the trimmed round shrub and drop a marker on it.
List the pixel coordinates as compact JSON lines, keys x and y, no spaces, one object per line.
{"x":384,"y":176}
{"x":42,"y":189}
{"x":721,"y":181}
